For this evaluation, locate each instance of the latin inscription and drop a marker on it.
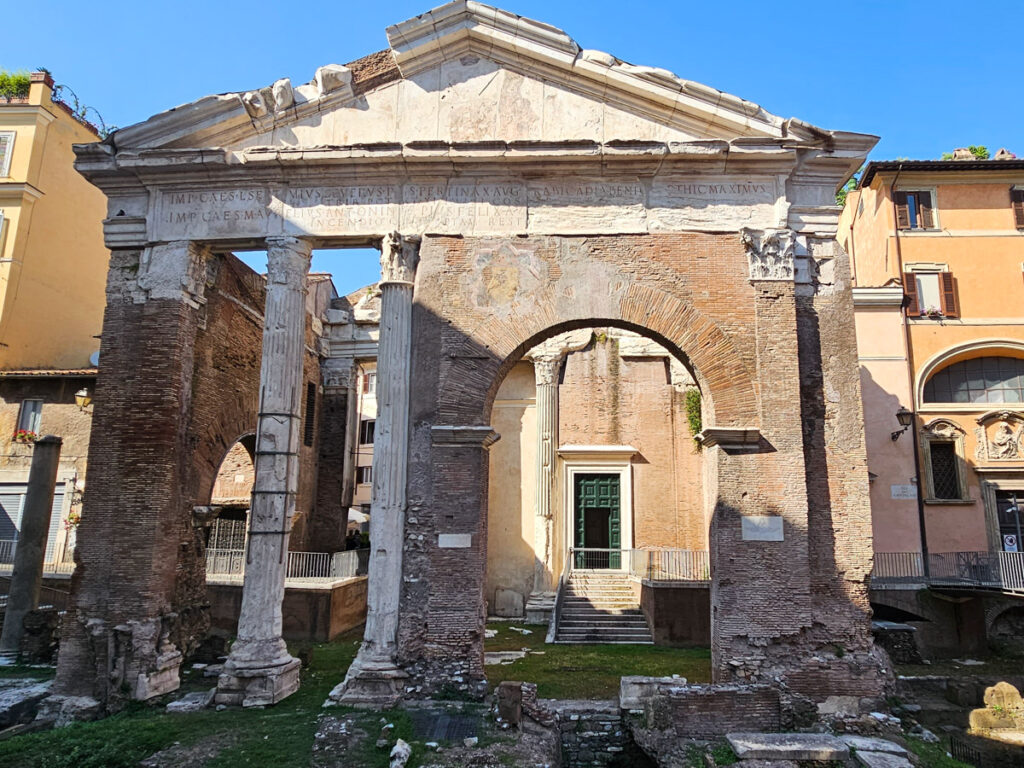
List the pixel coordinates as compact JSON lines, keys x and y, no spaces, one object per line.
{"x":469,"y":207}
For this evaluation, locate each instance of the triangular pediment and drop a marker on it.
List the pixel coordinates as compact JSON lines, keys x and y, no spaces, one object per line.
{"x":463,"y":73}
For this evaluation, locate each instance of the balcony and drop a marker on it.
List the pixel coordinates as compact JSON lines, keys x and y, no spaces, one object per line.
{"x":998,"y":571}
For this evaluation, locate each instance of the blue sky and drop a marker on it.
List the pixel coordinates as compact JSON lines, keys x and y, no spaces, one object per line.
{"x":925,"y":76}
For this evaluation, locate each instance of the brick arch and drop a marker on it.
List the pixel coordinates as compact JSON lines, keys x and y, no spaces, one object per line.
{"x":236,"y":422}
{"x":474,"y":373}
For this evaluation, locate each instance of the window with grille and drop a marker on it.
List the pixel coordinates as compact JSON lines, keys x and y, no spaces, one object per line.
{"x":945,"y":472}
{"x":980,"y":380}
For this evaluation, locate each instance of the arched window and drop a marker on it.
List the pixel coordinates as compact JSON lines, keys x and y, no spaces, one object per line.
{"x":979,"y":380}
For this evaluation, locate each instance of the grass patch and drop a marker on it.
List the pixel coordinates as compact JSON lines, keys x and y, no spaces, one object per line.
{"x":587,"y":671}
{"x":933,"y":755}
{"x":281,"y":736}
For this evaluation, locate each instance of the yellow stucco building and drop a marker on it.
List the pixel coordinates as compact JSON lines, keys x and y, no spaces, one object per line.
{"x":53,"y":263}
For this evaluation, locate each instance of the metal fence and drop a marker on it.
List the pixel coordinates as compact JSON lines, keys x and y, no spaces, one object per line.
{"x":306,"y":566}
{"x":61,"y":567}
{"x":1003,"y":571}
{"x":645,"y":564}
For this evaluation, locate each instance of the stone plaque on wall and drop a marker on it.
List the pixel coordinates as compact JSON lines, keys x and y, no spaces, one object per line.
{"x":762,"y":528}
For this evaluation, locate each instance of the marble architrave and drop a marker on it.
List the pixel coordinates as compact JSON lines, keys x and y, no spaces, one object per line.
{"x":496,"y":206}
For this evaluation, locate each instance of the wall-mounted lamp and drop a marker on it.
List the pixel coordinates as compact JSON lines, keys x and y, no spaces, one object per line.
{"x":905,"y":418}
{"x":83,"y":399}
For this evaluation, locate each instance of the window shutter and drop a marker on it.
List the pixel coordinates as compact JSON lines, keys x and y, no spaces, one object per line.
{"x":910,"y":294}
{"x":924,"y":206}
{"x":948,"y":287}
{"x":899,"y":199}
{"x":1017,"y":203}
{"x":366,"y":383}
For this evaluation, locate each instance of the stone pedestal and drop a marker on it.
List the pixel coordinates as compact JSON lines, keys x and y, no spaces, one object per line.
{"x":374,"y":679}
{"x":259,"y":669}
{"x":27,"y":577}
{"x":541,"y":601}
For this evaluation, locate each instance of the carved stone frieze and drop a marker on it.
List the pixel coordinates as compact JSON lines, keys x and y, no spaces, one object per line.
{"x":770,"y":253}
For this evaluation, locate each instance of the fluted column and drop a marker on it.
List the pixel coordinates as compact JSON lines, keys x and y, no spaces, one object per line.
{"x":542,"y":598}
{"x":374,"y":679}
{"x":259,"y":669}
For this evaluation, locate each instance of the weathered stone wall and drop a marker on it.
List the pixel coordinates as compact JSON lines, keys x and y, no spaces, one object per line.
{"x":592,"y":733}
{"x":177,"y":386}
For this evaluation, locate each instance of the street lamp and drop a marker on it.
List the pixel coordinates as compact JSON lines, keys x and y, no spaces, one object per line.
{"x":904,"y":417}
{"x":83,"y":398}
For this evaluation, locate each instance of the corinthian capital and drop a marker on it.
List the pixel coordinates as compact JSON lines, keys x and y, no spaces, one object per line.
{"x":399,"y":257}
{"x":287,"y":259}
{"x":770,"y":253}
{"x":545,"y":369}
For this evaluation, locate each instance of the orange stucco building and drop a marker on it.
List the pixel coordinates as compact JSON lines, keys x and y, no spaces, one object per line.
{"x":938,"y":253}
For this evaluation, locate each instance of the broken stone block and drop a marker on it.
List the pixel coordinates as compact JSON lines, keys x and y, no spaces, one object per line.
{"x":19,"y":700}
{"x":508,"y":603}
{"x":872,"y":744}
{"x":787,"y":746}
{"x":333,"y":77}
{"x":400,"y":754}
{"x":990,"y":719}
{"x":192,"y":702}
{"x":510,"y":702}
{"x":882,"y":760}
{"x":1003,"y":696}
{"x":840,"y":706}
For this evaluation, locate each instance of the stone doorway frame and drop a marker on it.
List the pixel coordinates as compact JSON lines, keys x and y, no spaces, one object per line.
{"x":596,"y":459}
{"x":994,"y":479}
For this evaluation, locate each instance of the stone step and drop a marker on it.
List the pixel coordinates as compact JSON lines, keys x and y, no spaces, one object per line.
{"x":586,"y":621}
{"x":624,"y":631}
{"x":577,"y":612}
{"x":788,"y":746}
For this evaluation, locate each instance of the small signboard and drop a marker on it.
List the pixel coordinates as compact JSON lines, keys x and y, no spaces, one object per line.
{"x":903,"y":491}
{"x":1010,"y":543}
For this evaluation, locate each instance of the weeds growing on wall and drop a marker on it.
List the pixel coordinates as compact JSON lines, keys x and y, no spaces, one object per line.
{"x":693,"y":416}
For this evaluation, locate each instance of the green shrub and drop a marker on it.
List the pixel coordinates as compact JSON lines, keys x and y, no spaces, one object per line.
{"x":14,"y":84}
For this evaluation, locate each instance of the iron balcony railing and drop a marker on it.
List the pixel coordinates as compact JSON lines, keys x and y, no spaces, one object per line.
{"x":645,"y":564}
{"x":61,"y":567}
{"x":1003,"y":571}
{"x":229,"y":564}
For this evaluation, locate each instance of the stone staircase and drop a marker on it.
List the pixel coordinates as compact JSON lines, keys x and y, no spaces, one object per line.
{"x":599,"y":607}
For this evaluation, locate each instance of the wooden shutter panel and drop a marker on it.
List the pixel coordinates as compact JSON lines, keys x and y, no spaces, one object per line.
{"x":925,"y":219}
{"x":1017,"y":203}
{"x":899,"y":199}
{"x":910,"y":294}
{"x":948,"y":287}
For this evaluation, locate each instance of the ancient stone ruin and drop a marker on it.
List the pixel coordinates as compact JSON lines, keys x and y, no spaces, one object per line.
{"x":519,"y":187}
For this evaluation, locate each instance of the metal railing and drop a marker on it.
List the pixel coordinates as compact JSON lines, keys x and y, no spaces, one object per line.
{"x":1003,"y":571}
{"x":63,"y":567}
{"x":305,"y":566}
{"x":645,"y":564}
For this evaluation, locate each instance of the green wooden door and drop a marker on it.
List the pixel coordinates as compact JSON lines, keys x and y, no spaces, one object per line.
{"x":598,"y":523}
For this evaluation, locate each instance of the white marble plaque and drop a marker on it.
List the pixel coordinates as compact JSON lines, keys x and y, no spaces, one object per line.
{"x":719,"y":203}
{"x":587,"y":206}
{"x":903,"y":491}
{"x":762,"y":528}
{"x":454,"y":540}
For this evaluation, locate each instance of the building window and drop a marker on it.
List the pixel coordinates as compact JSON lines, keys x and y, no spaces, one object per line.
{"x":944,"y":471}
{"x":1017,"y":203}
{"x":979,"y":380}
{"x":310,"y":421}
{"x":364,"y":475}
{"x":942,"y":448}
{"x":370,"y":382}
{"x":6,"y":150}
{"x":30,"y":416}
{"x":930,"y":292}
{"x":914,"y":209}
{"x":366,"y":428}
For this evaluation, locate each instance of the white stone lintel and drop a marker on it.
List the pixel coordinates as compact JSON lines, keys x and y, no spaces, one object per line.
{"x":463,"y":437}
{"x":729,"y":437}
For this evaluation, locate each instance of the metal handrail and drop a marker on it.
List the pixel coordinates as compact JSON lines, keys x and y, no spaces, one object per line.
{"x":1002,"y":571}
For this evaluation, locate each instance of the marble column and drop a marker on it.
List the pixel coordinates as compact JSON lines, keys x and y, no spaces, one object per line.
{"x":259,"y":669}
{"x":374,"y":679}
{"x":542,"y":599}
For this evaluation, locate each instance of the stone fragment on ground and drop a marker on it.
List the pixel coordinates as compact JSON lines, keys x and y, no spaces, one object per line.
{"x":502,"y":657}
{"x":192,"y":702}
{"x":882,"y":760}
{"x":19,"y":699}
{"x":400,"y":754}
{"x":194,"y":755}
{"x":787,"y":746}
{"x":872,"y":744}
